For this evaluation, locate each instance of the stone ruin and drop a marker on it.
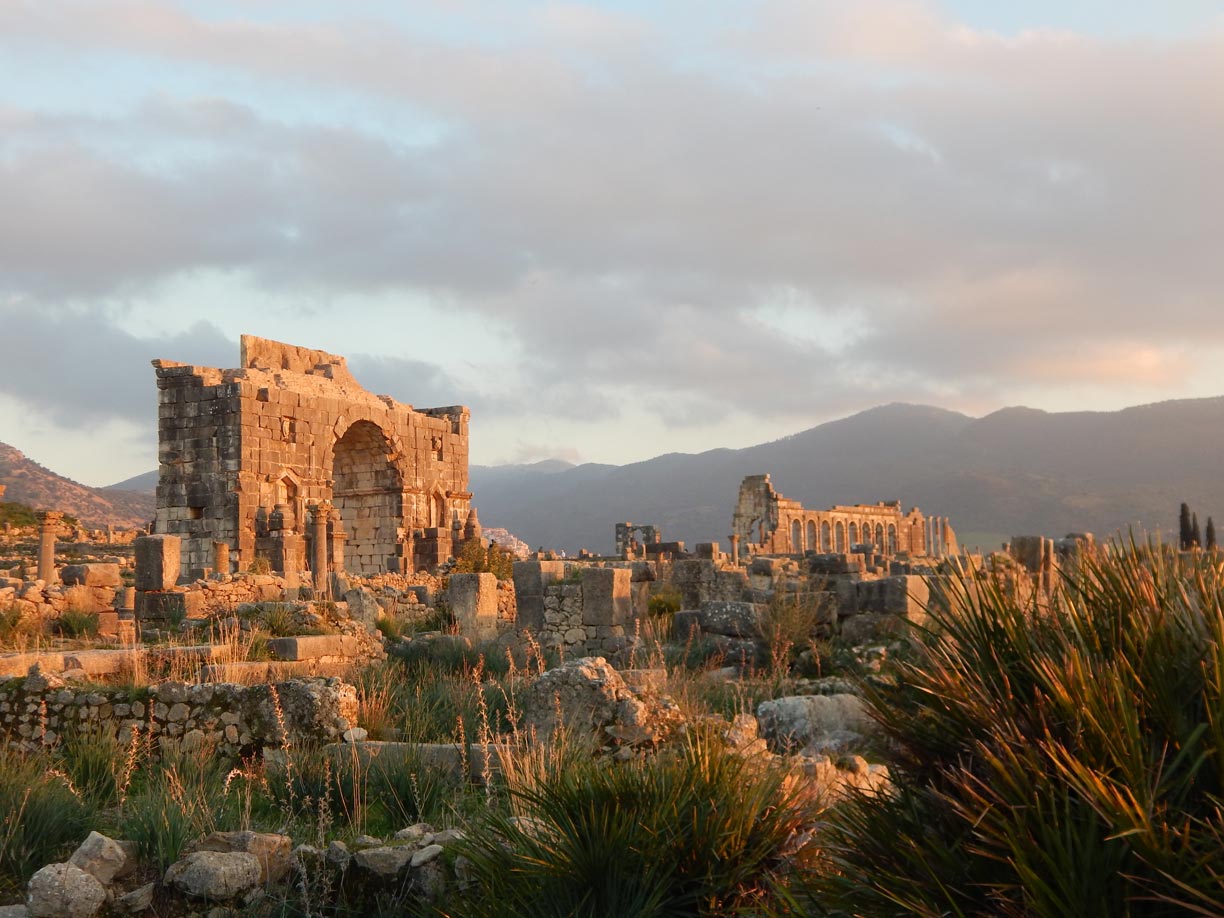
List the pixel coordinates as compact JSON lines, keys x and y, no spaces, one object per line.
{"x":287,"y":458}
{"x":767,"y":523}
{"x":628,"y":545}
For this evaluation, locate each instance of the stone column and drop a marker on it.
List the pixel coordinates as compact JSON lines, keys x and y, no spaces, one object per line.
{"x":735,"y":550}
{"x":338,"y":538}
{"x":318,"y":563}
{"x":221,"y":557}
{"x":46,"y":544}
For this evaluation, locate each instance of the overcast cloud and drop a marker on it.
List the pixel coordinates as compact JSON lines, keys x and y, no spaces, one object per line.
{"x":783,"y":211}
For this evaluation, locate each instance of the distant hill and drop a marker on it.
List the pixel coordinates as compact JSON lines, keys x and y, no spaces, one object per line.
{"x":1015,"y":471}
{"x":145,"y":483}
{"x":38,"y":487}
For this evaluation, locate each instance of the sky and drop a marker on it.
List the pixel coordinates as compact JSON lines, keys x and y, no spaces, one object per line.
{"x":613,"y":230}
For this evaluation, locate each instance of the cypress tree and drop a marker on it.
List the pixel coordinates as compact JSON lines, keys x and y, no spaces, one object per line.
{"x":1196,"y":533}
{"x":1211,"y":536}
{"x":1186,"y":533}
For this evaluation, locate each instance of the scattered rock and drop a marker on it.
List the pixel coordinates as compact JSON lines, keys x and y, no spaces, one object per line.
{"x":384,"y":863}
{"x":105,"y":859}
{"x":64,"y":891}
{"x":138,"y":900}
{"x":814,"y":723}
{"x":272,"y":851}
{"x":425,"y":855}
{"x":215,"y":875}
{"x":590,"y":696}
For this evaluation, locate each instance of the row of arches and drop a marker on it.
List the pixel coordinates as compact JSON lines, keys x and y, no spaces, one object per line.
{"x":839,"y":536}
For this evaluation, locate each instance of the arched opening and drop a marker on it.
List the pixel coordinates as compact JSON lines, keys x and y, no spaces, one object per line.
{"x":811,"y":536}
{"x":826,"y":536}
{"x":840,"y":535}
{"x":854,"y":539}
{"x":368,"y":492}
{"x":879,"y":536}
{"x":892,"y":539}
{"x":796,"y":536}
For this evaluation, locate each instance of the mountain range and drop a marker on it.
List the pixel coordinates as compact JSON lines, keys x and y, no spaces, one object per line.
{"x":1015,"y":471}
{"x":37,"y":486}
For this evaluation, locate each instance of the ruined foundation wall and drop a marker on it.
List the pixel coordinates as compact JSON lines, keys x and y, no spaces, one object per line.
{"x":230,"y":718}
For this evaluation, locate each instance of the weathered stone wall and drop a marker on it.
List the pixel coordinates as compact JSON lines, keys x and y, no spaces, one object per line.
{"x":244,"y":451}
{"x":35,"y":711}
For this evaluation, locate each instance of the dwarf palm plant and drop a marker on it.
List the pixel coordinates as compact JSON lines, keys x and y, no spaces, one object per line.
{"x":1053,"y":758}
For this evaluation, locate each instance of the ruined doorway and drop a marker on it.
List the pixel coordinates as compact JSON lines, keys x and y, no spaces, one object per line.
{"x":368,"y":493}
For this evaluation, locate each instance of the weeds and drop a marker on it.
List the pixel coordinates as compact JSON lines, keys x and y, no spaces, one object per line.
{"x":44,"y":818}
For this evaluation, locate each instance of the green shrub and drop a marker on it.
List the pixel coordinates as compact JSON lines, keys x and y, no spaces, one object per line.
{"x":693,"y":831}
{"x":15,"y":627}
{"x":1060,"y":760}
{"x":278,"y":619}
{"x":391,"y":627}
{"x":44,"y":818}
{"x":665,"y":602}
{"x":75,"y":623}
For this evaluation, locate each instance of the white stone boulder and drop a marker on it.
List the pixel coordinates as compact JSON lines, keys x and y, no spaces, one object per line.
{"x":64,"y":891}
{"x":215,"y":875}
{"x":815,"y":723}
{"x":104,"y":858}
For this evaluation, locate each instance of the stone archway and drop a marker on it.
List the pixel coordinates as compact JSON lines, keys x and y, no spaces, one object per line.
{"x":796,"y":537}
{"x":368,"y":492}
{"x":840,"y":537}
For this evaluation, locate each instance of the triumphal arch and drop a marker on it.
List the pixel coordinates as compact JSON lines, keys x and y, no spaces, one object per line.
{"x":267,"y":460}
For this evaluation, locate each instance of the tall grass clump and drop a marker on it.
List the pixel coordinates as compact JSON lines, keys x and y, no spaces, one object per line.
{"x":44,"y":818}
{"x":1052,"y":758}
{"x":178,"y":801}
{"x":692,"y":831}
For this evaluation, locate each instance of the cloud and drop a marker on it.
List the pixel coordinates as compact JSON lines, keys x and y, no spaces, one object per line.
{"x":82,"y":371}
{"x":623,"y":194}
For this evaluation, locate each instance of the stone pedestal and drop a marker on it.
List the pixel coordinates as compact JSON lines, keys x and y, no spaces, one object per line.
{"x":157,"y":562}
{"x":473,"y":600}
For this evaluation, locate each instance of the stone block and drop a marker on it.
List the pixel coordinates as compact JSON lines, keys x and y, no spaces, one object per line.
{"x":157,"y":562}
{"x":473,"y":601}
{"x":905,"y":597}
{"x":171,"y":606}
{"x":314,"y":646}
{"x":733,"y":619}
{"x":607,"y":597}
{"x":91,"y":575}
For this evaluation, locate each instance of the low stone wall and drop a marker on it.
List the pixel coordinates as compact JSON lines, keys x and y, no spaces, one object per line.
{"x":592,"y":616}
{"x":233,"y":719}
